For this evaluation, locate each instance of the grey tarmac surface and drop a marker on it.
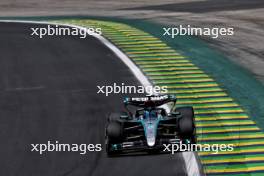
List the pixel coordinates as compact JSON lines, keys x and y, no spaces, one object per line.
{"x":205,"y":6}
{"x":245,"y":48}
{"x":48,"y":92}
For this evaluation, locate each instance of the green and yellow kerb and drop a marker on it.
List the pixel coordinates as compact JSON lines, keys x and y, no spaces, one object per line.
{"x":219,"y":119}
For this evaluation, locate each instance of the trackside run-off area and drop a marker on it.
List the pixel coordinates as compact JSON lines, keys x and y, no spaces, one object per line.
{"x":219,"y":118}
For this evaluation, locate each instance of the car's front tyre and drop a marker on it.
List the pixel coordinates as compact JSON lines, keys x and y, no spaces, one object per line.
{"x":114,"y":133}
{"x":187,"y":123}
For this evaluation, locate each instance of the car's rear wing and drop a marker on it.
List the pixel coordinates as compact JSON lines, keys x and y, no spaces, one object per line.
{"x":149,"y":101}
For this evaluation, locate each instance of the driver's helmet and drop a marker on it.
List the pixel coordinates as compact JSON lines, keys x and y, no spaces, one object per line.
{"x":146,"y":114}
{"x":150,"y":113}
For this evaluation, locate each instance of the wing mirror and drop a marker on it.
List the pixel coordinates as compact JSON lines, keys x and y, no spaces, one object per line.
{"x":175,"y":113}
{"x":125,"y":117}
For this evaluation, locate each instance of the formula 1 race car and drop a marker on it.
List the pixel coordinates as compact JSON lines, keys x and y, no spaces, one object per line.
{"x":150,"y":126}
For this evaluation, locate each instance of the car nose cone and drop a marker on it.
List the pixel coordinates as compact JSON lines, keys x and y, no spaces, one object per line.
{"x":151,"y":134}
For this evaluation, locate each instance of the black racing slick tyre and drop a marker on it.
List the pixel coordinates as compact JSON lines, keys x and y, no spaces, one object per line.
{"x":109,"y":151}
{"x":186,"y":123}
{"x":114,"y":131}
{"x":114,"y":117}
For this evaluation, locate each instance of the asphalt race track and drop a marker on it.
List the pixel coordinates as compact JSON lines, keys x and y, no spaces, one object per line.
{"x":205,"y":6}
{"x":48,"y":92}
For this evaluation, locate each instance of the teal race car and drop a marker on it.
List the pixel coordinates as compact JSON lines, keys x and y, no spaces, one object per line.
{"x":150,"y":126}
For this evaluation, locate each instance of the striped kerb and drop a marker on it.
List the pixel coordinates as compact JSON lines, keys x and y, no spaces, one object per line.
{"x":219,"y":119}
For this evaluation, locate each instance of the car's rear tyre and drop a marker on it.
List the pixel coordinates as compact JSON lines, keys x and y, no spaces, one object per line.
{"x":114,"y":117}
{"x":186,"y":123}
